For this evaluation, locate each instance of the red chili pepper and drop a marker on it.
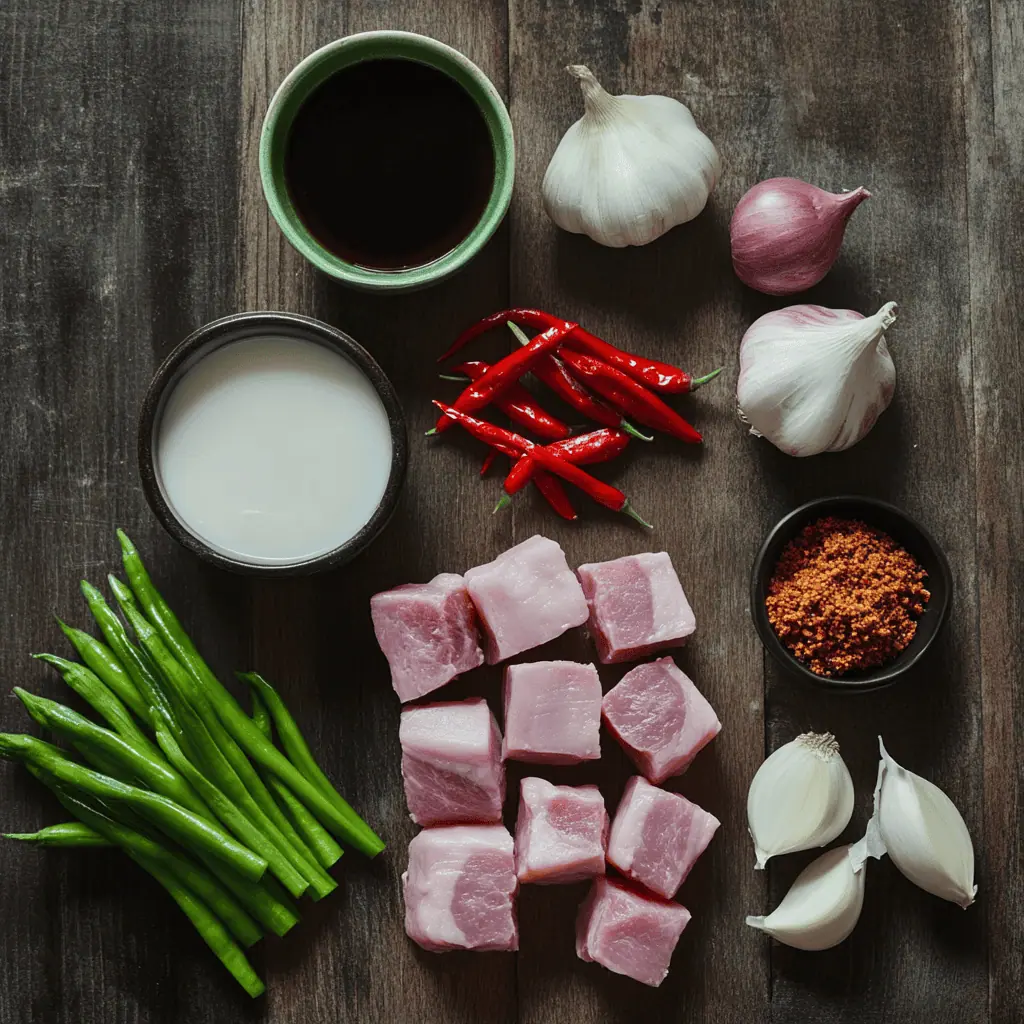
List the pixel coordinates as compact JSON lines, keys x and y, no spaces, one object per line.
{"x":654,"y":374}
{"x":597,"y":446}
{"x":549,"y":487}
{"x":504,"y":442}
{"x":499,"y":437}
{"x":520,"y":474}
{"x":582,"y":450}
{"x":585,"y":449}
{"x":552,"y":489}
{"x":554,"y":494}
{"x":519,"y":405}
{"x":658,"y":376}
{"x":507,"y":371}
{"x":552,"y":372}
{"x":633,"y":398}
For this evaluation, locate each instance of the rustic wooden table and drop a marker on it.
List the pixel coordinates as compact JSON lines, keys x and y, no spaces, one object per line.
{"x":131,"y":213}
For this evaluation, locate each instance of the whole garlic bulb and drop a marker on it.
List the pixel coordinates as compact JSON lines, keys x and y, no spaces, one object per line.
{"x":630,"y":169}
{"x":814,"y":379}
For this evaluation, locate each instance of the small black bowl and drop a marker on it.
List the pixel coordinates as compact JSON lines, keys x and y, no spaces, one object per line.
{"x":233,"y":328}
{"x":906,"y":532}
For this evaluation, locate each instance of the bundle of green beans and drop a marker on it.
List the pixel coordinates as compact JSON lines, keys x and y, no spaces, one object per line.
{"x":182,"y":779}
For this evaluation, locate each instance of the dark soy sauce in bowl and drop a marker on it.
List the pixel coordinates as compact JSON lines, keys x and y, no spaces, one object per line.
{"x":389,"y":163}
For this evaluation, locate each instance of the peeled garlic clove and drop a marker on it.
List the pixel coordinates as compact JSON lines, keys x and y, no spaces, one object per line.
{"x":801,"y":797}
{"x":630,"y":169}
{"x":823,"y":905}
{"x":924,"y":834}
{"x":814,"y":379}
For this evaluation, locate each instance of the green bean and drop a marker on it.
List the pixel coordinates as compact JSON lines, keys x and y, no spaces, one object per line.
{"x":158,"y":775}
{"x":196,"y":878}
{"x":232,"y":818}
{"x":337,"y":815}
{"x":134,"y":661}
{"x":213,"y":933}
{"x":291,"y":737}
{"x":104,"y":701}
{"x":197,"y":730}
{"x":180,"y":824}
{"x":319,"y":882}
{"x":265,"y":900}
{"x":102,"y":661}
{"x":69,"y":834}
{"x":210,"y":929}
{"x":317,"y":838}
{"x":261,"y":715}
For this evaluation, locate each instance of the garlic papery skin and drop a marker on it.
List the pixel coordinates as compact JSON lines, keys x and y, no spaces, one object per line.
{"x":822,"y":906}
{"x":814,"y":379}
{"x":630,"y":169}
{"x":785,"y":233}
{"x":924,"y":834}
{"x":801,"y":797}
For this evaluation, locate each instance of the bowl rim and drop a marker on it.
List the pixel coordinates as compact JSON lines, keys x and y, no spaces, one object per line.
{"x":235,"y":327}
{"x":885,"y":675}
{"x":311,"y":72}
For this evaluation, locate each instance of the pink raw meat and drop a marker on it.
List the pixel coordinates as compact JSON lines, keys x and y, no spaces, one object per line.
{"x":629,"y":932}
{"x":460,"y":889}
{"x":661,"y":719}
{"x":451,"y":763}
{"x":552,"y":712}
{"x":637,"y":606}
{"x":561,"y":833}
{"x":427,"y":632}
{"x":657,"y":836}
{"x":526,"y":597}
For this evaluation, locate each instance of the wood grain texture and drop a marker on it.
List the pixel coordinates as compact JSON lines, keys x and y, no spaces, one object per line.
{"x":116,"y":203}
{"x":675,"y":299}
{"x":131,"y":213}
{"x":994,"y":87}
{"x":913,"y":958}
{"x":313,"y":637}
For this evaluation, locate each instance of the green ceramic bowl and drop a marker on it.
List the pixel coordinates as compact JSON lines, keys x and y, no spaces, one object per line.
{"x":310,"y":74}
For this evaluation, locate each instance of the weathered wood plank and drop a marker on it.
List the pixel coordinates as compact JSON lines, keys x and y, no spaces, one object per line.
{"x":674,"y":299}
{"x":121,"y":203}
{"x":116,"y":216}
{"x":314,"y":637}
{"x":855,"y":103}
{"x":993,"y":81}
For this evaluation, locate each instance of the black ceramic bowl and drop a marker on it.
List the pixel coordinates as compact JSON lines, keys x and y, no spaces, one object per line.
{"x":235,"y":328}
{"x":908,"y":533}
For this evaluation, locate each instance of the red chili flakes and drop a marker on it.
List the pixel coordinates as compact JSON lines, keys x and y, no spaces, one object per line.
{"x":845,"y":596}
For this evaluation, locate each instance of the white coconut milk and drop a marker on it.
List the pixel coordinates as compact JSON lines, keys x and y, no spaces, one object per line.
{"x":274,"y":450}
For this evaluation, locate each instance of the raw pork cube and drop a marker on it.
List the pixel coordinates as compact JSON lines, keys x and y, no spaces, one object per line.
{"x":427,"y":632}
{"x":658,"y":836}
{"x":526,"y":597}
{"x":660,"y":718}
{"x":552,"y":712}
{"x":637,"y":606}
{"x":451,"y":763}
{"x":460,"y":889}
{"x":629,"y":932}
{"x":561,"y":832}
